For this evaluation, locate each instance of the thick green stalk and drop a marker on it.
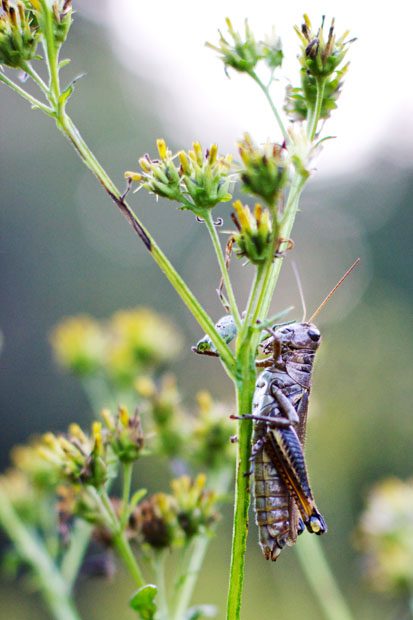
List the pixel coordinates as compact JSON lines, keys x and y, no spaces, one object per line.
{"x":55,"y":591}
{"x":245,"y":391}
{"x":321,"y":579}
{"x":285,"y":228}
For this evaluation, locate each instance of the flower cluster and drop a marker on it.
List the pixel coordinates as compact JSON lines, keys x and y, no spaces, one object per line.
{"x":265,"y":171}
{"x":211,"y":446}
{"x":166,"y":520}
{"x":253,"y":234}
{"x":18,"y":34}
{"x":130,"y":342}
{"x":200,"y":182}
{"x":385,"y":537}
{"x":77,"y":457}
{"x":243,"y":53}
{"x":58,"y":13}
{"x":320,"y":60}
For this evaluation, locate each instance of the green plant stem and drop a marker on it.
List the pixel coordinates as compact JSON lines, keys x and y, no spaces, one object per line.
{"x":127,"y":482}
{"x":316,"y":112}
{"x":32,"y":100}
{"x":265,"y":90}
{"x":162,"y":599}
{"x":185,"y":582}
{"x":27,"y":67}
{"x":224,"y":271}
{"x":125,"y":551}
{"x":73,"y":557}
{"x":121,"y":542}
{"x":252,"y":302}
{"x":67,"y":127}
{"x":286,"y":225}
{"x":321,"y":579}
{"x":51,"y":53}
{"x":55,"y":591}
{"x":245,"y":390}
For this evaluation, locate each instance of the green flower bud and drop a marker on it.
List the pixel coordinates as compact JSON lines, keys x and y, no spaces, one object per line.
{"x":18,"y":35}
{"x":77,"y":457}
{"x":265,"y":171}
{"x":320,"y":58}
{"x":196,"y":507}
{"x":241,"y":54}
{"x":125,"y":434}
{"x":254,"y":232}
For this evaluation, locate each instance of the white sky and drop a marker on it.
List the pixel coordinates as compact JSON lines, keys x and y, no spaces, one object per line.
{"x":164,"y":42}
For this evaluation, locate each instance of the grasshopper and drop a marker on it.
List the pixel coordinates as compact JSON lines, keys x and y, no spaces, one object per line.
{"x":284,"y":503}
{"x":283,"y":500}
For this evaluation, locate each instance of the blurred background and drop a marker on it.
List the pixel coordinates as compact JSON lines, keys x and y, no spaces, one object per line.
{"x":66,"y":250}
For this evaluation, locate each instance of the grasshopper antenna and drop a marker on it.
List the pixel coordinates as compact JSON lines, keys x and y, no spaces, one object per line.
{"x":300,"y":288}
{"x":310,"y":320}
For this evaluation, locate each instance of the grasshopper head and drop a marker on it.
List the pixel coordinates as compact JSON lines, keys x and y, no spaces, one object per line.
{"x":299,"y":336}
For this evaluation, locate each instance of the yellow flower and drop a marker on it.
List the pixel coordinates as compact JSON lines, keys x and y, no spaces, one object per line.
{"x":79,"y":344}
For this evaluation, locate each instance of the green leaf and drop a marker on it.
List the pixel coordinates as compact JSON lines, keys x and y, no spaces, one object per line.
{"x":136,"y":498}
{"x":143,"y":602}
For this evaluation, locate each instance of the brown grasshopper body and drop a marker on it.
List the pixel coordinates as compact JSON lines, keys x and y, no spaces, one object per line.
{"x":281,"y":488}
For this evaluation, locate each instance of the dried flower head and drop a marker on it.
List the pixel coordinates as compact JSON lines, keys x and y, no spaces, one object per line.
{"x":196,"y":507}
{"x":156,"y":521}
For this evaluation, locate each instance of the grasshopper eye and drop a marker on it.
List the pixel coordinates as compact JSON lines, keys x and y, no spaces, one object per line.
{"x":314,"y":334}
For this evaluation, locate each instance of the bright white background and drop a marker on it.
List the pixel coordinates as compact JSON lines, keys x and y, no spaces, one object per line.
{"x":163,"y":41}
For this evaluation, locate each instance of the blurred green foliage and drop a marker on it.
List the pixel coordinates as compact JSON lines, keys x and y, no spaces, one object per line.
{"x":65,"y":250}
